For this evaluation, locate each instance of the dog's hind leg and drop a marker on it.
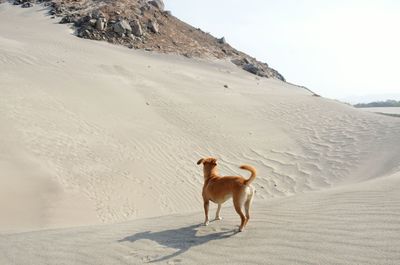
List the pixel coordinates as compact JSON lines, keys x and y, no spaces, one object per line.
{"x":248,"y":202}
{"x":217,"y":216}
{"x":206,"y":206}
{"x":238,"y":203}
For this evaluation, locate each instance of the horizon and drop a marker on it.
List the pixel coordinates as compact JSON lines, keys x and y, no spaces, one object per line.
{"x":345,"y":50}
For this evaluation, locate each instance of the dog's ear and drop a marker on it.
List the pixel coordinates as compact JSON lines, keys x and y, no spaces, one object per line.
{"x":214,"y":161}
{"x":200,"y":161}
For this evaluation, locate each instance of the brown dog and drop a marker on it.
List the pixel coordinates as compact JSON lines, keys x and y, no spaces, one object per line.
{"x":219,"y":189}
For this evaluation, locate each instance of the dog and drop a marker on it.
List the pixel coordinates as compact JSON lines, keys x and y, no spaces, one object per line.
{"x":219,"y":189}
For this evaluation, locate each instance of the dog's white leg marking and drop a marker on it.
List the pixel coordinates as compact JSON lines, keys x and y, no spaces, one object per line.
{"x":206,"y":206}
{"x":217,"y":216}
{"x":249,"y":200}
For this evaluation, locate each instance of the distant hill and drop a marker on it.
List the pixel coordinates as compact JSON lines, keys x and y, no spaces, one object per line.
{"x":387,"y":103}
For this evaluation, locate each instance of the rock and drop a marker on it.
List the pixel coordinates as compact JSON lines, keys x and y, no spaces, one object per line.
{"x":101,"y":24}
{"x":222,"y":40}
{"x":144,"y":8}
{"x":136,"y":28}
{"x":122,"y":27}
{"x":20,"y":2}
{"x":157,"y":3}
{"x":93,"y":22}
{"x":251,"y":68}
{"x":83,"y":21}
{"x":57,"y":10}
{"x":167,"y":13}
{"x":68,"y":19}
{"x":97,"y":14}
{"x":153,"y":26}
{"x":84,"y":34}
{"x":226,"y":86}
{"x":26,"y":5}
{"x":131,"y":36}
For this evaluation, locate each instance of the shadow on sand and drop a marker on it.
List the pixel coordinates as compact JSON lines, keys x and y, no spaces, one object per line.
{"x":181,"y":239}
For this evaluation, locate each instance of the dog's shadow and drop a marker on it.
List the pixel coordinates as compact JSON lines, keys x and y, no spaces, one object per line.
{"x":181,"y":239}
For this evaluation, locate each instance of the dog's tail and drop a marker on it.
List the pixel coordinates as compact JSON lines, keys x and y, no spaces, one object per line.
{"x":253,"y":173}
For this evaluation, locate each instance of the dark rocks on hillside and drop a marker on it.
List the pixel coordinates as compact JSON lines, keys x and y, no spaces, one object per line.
{"x":57,"y":10}
{"x":97,"y":14}
{"x":167,"y":13}
{"x":249,"y":67}
{"x":23,"y":3}
{"x":143,"y":24}
{"x":82,"y":21}
{"x":157,"y":3}
{"x":222,"y":40}
{"x":26,"y":5}
{"x":68,"y":19}
{"x":257,"y":68}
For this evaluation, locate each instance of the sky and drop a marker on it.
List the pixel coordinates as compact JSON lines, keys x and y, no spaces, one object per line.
{"x":342,"y":49}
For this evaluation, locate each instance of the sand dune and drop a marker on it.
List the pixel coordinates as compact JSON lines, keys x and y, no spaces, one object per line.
{"x":98,"y":134}
{"x":357,"y":224}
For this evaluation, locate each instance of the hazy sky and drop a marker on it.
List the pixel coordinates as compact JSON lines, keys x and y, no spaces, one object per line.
{"x":345,"y":49}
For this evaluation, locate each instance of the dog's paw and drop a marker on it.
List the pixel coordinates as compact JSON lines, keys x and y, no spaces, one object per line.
{"x":218,"y":218}
{"x":206,"y":223}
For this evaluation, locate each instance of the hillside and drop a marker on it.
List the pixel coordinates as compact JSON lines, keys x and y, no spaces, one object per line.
{"x":377,"y":104}
{"x":144,"y":24}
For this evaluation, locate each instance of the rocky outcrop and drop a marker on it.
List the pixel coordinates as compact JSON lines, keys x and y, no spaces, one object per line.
{"x":255,"y":67}
{"x":144,"y":24}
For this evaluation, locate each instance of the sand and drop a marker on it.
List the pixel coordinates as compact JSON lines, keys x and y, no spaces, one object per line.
{"x":99,"y":145}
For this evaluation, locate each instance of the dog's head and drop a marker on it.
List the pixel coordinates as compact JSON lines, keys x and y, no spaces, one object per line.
{"x":208,"y":162}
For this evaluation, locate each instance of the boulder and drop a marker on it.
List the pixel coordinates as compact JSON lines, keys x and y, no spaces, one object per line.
{"x":136,"y":28}
{"x":122,"y":27}
{"x":100,"y":24}
{"x":222,"y":40}
{"x":97,"y":14}
{"x":251,"y":68}
{"x":93,"y":22}
{"x":157,"y":3}
{"x":167,"y":13}
{"x":19,"y":2}
{"x":153,"y":26}
{"x":68,"y":19}
{"x":26,"y":5}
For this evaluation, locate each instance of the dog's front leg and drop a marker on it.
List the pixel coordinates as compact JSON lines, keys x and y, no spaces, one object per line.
{"x":206,"y":206}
